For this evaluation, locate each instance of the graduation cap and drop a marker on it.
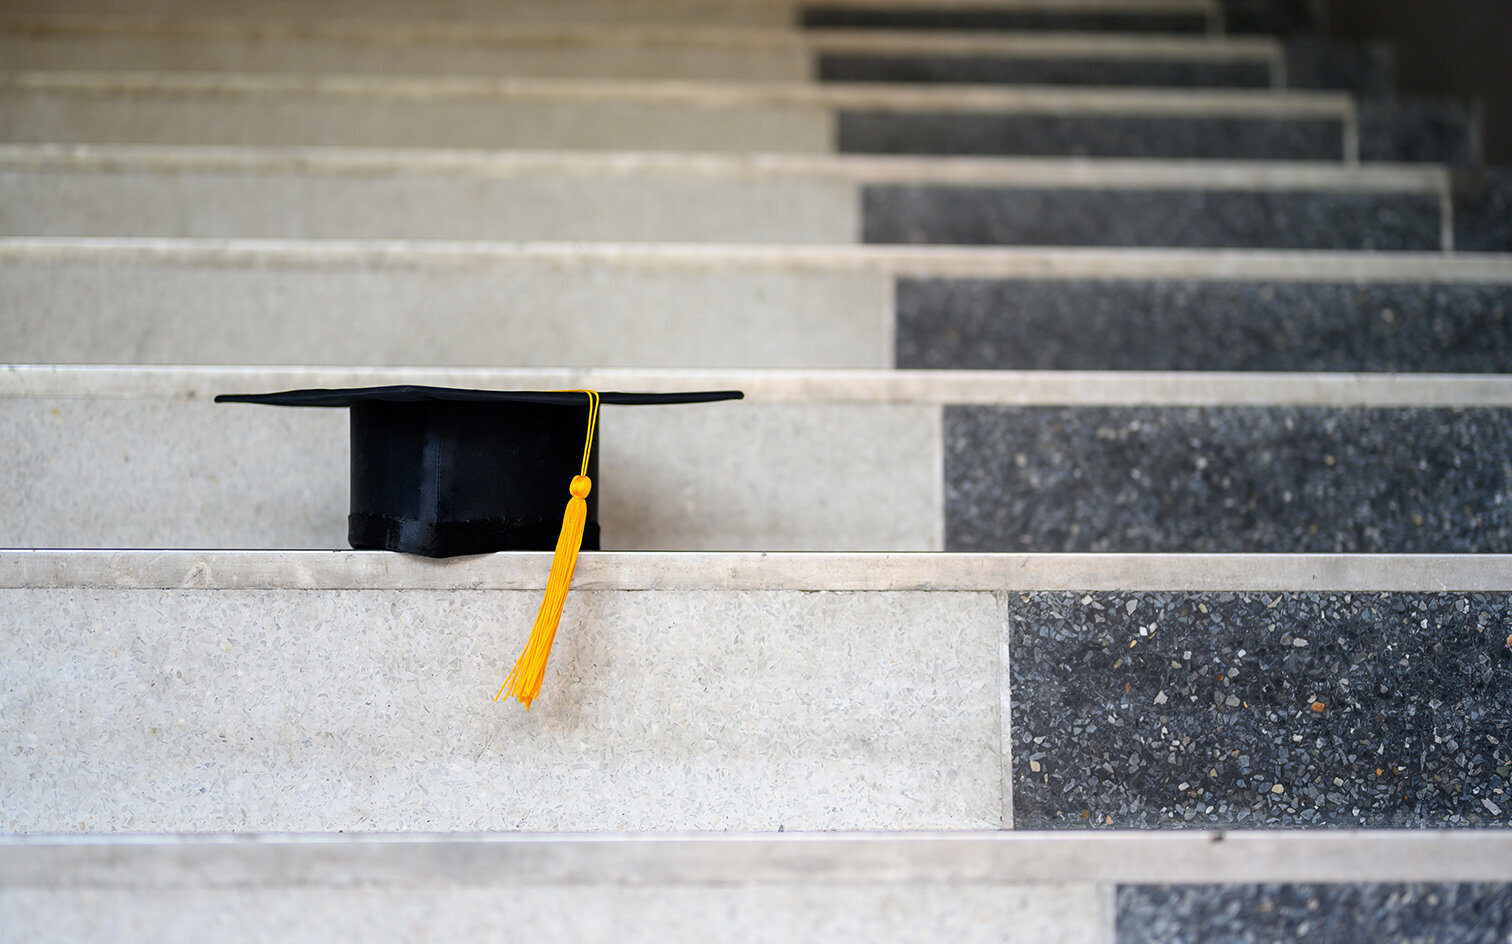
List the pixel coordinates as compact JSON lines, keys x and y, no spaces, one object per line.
{"x":440,"y":472}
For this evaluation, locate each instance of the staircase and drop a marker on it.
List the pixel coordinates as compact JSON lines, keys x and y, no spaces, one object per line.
{"x":1114,"y":545}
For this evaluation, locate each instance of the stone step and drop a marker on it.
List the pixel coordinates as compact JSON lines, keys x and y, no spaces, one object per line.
{"x":491,"y":112}
{"x":126,"y":190}
{"x":1122,"y":888}
{"x":1146,"y":15}
{"x":1158,"y":16}
{"x":678,"y":305}
{"x":713,"y":53}
{"x":813,"y":460}
{"x":326,"y":691}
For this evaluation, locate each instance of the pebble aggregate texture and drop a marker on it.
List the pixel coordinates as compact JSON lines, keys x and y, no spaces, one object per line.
{"x":1168,"y":73}
{"x":1261,"y":710}
{"x":1483,"y":209}
{"x":1418,"y":130}
{"x":1228,"y":480}
{"x":1261,"y":914}
{"x":1254,"y":219}
{"x":1110,"y":135}
{"x":987,"y":19}
{"x":983,"y":324}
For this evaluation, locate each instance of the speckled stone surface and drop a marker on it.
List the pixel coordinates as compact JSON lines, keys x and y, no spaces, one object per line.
{"x":884,"y":17}
{"x":1483,"y":209}
{"x":1418,"y":130}
{"x":1261,"y":710}
{"x":1252,"y":219}
{"x":1090,"y":136}
{"x":758,"y":914}
{"x":1271,"y":17}
{"x":1297,"y":326}
{"x":740,"y":476}
{"x":301,"y":307}
{"x":1231,"y":479}
{"x":1363,"y":68}
{"x":370,"y":710}
{"x":1327,"y":914}
{"x":1057,"y":70}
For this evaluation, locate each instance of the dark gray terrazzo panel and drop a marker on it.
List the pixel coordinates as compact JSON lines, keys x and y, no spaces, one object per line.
{"x":1090,"y":136}
{"x":1260,"y":710}
{"x":984,"y":324}
{"x":1363,"y":68}
{"x":819,"y":15}
{"x":922,"y":69}
{"x":1324,"y":914}
{"x":1483,"y":209}
{"x":1418,"y":130}
{"x":1273,"y":17}
{"x":1228,"y":479}
{"x":1252,"y":219}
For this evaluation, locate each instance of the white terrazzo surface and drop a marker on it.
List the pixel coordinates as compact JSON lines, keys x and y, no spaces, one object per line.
{"x":293,"y":311}
{"x":403,"y":120}
{"x":412,"y":201}
{"x":885,"y":914}
{"x":288,"y":710}
{"x":176,"y":472}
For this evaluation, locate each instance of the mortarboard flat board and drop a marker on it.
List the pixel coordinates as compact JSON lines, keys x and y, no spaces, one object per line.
{"x":441,"y":472}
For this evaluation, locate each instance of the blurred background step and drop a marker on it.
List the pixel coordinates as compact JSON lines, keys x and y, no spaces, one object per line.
{"x":480,"y":112}
{"x":320,"y":691}
{"x":678,"y":305}
{"x":966,"y":462}
{"x":711,"y":53}
{"x":638,"y":888}
{"x":688,"y":52}
{"x":1152,"y":16}
{"x":127,"y":190}
{"x":1159,"y":15}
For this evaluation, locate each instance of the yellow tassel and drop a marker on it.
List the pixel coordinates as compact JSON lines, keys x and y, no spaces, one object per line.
{"x":524,"y":682}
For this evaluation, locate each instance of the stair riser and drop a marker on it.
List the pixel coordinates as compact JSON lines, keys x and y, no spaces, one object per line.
{"x":298,"y":303}
{"x":786,"y":57}
{"x":255,"y":710}
{"x":46,"y":202}
{"x":717,"y":117}
{"x":188,"y":473}
{"x":732,"y":693}
{"x":772,"y":476}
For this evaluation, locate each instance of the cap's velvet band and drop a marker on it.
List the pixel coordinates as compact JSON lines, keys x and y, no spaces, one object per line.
{"x":455,"y":538}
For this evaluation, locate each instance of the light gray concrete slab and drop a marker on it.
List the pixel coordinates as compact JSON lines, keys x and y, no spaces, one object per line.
{"x":273,"y":110}
{"x":888,"y":914}
{"x":612,"y":12}
{"x":416,"y":202}
{"x":728,"y":12}
{"x":371,"y":710}
{"x":179,"y":472}
{"x":214,"y":307}
{"x":376,"y":47}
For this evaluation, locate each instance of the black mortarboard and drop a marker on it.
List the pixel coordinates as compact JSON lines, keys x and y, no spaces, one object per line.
{"x":442,"y":472}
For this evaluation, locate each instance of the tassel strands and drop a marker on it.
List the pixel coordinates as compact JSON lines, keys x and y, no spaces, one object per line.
{"x":524,"y":682}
